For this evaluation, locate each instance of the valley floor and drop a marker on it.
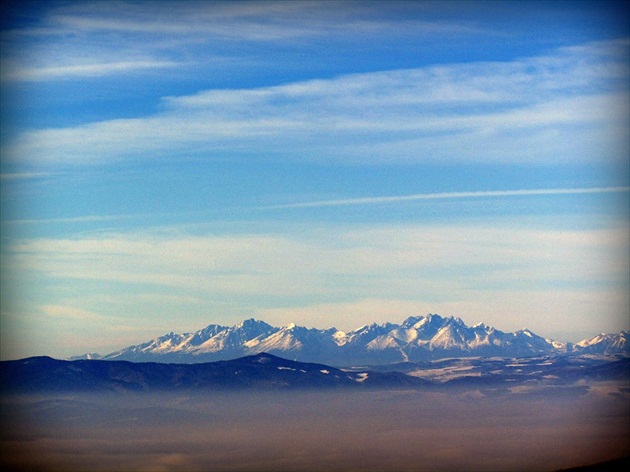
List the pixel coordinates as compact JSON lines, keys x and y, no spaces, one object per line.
{"x":464,"y":430}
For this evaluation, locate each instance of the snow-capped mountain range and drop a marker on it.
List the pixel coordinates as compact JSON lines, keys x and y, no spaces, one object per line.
{"x":415,"y":339}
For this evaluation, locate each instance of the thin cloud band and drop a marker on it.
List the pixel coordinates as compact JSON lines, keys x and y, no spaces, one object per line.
{"x":446,"y":195}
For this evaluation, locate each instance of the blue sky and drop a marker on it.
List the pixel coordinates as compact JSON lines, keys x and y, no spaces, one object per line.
{"x":169,"y":165}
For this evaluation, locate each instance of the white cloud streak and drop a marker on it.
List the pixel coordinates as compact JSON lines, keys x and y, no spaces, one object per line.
{"x":12,"y":176}
{"x":11,"y":72}
{"x":449,"y":195}
{"x":94,"y":39}
{"x":552,"y":276}
{"x":566,"y":107}
{"x":61,"y":311}
{"x":246,"y":21}
{"x":406,"y":260}
{"x":75,"y":219}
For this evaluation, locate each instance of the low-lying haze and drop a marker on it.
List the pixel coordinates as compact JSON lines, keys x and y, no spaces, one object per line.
{"x":285,"y":431}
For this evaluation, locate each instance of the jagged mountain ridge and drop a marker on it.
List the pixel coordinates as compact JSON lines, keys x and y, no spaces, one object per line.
{"x":415,"y":339}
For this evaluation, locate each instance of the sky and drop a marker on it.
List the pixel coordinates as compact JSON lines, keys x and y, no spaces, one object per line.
{"x":169,"y":165}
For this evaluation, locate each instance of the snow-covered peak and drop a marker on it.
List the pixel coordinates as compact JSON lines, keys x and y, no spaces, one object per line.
{"x":417,"y":338}
{"x":418,"y":322}
{"x":252,"y":323}
{"x":212,"y":328}
{"x":605,"y":343}
{"x":448,"y":338}
{"x":88,"y":356}
{"x":484,"y":328}
{"x":412,"y":320}
{"x":282,"y":340}
{"x":340,"y":338}
{"x":594,"y":340}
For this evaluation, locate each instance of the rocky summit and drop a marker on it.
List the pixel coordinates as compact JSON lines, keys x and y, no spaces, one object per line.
{"x":416,"y":339}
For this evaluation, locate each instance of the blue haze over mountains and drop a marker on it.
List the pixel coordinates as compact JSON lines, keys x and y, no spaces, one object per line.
{"x":416,"y":339}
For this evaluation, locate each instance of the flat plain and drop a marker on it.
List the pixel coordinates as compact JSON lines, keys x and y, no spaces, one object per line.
{"x":520,"y":429}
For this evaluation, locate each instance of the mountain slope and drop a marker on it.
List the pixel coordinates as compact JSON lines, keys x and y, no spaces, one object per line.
{"x":605,"y":344}
{"x":532,"y":375}
{"x":419,"y":338}
{"x":261,"y":371}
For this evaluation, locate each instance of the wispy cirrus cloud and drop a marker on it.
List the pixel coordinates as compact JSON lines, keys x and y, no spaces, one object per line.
{"x":449,"y":195}
{"x":16,"y":176}
{"x":61,"y":311}
{"x":73,"y":219}
{"x":534,"y":277}
{"x":96,"y":39}
{"x":407,"y":262}
{"x":11,"y":72}
{"x":565,"y":107}
{"x":250,"y":21}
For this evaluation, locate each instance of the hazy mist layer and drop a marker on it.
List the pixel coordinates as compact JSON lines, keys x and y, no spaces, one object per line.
{"x":384,"y":430}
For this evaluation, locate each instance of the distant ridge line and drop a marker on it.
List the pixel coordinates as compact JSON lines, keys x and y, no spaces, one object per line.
{"x":418,"y":338}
